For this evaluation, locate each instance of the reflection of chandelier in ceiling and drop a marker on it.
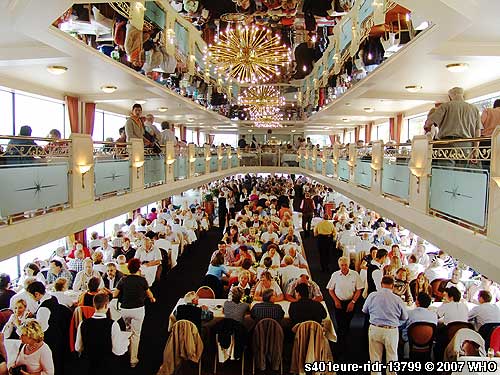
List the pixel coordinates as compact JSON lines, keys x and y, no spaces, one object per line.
{"x":269,"y":121}
{"x":257,"y":112}
{"x":249,"y":54}
{"x":261,"y":96}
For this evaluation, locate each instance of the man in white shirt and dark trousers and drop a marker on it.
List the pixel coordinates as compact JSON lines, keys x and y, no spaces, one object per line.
{"x":386,"y":311}
{"x":99,"y":339}
{"x":345,"y":287}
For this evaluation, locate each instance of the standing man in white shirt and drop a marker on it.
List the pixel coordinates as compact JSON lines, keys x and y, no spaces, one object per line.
{"x":345,"y":288}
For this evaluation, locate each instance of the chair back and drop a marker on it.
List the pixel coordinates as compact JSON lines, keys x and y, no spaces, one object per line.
{"x":437,"y":286}
{"x":453,"y":327}
{"x":215,"y":284}
{"x":486,"y":330}
{"x":205,"y":292}
{"x":4,"y":317}
{"x":495,"y":339}
{"x":421,"y":337}
{"x":267,"y":342}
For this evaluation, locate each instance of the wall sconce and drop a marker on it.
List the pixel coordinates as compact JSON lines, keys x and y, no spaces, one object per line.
{"x":418,"y":172}
{"x":84,"y":168}
{"x":230,"y":156}
{"x":170,"y":161}
{"x":208,"y":158}
{"x":497,"y":180}
{"x":192,"y":160}
{"x":138,"y":165}
{"x":351,"y":163}
{"x":220,"y":157}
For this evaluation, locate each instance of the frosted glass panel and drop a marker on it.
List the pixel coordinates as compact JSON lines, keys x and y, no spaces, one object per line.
{"x":343,"y":170}
{"x":329,"y":167}
{"x":111,"y":176}
{"x":199,"y":165}
{"x":396,"y":180}
{"x":363,"y":173}
{"x":33,"y":187}
{"x":154,"y":170}
{"x":213,"y":163}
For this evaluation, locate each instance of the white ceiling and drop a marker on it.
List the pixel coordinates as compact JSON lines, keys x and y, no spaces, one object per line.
{"x":463,"y":31}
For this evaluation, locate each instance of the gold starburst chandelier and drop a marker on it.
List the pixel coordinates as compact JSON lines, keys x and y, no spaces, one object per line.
{"x":269,"y":121}
{"x":249,"y":54}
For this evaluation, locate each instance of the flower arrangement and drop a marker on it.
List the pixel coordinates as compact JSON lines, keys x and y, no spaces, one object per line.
{"x":247,"y":299}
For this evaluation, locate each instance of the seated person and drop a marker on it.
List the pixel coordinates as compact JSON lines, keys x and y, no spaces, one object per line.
{"x":314,"y":290}
{"x":455,"y":281}
{"x":192,"y":312}
{"x":420,"y":314}
{"x":305,"y":308}
{"x":273,"y":254}
{"x":87,"y":298}
{"x":298,"y":258}
{"x":486,"y":312}
{"x":234,"y":308}
{"x":57,"y":270}
{"x":243,"y":283}
{"x":60,"y":287}
{"x":267,"y":282}
{"x":267,"y":308}
{"x":486,"y":284}
{"x":122,"y":264}
{"x":21,"y":314}
{"x":82,"y":278}
{"x":244,"y":253}
{"x":402,"y":286}
{"x":452,"y":310}
{"x":288,"y":271}
{"x":436,"y":270}
{"x":266,"y":266}
{"x":217,"y":268}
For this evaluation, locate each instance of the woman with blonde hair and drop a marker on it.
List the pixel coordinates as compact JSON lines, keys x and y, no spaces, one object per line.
{"x":34,"y":354}
{"x":421,"y":285}
{"x":21,"y":314}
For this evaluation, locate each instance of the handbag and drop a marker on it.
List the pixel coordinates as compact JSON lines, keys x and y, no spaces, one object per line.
{"x":16,"y":370}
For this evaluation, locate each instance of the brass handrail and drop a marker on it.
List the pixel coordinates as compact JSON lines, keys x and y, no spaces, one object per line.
{"x":445,"y":141}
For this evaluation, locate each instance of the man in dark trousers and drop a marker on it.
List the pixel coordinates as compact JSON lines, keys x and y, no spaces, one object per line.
{"x":99,"y":339}
{"x":307,"y":207}
{"x":222,"y":209}
{"x":325,"y":233}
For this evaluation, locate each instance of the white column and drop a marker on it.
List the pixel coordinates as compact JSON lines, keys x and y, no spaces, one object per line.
{"x":169,"y":161}
{"x":376,"y":165}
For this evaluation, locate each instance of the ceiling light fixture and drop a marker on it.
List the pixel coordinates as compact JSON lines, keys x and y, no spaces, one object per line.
{"x":249,"y":54}
{"x":140,"y":101}
{"x":457,"y":67}
{"x":347,"y":104}
{"x":57,"y":69}
{"x":108,"y":89}
{"x":162,"y":109}
{"x":293,"y":131}
{"x":250,"y":130}
{"x":369,"y":109}
{"x":345,"y":119}
{"x":413,"y":88}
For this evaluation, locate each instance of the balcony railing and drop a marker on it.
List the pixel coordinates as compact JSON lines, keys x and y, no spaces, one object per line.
{"x":455,"y":180}
{"x":34,"y":174}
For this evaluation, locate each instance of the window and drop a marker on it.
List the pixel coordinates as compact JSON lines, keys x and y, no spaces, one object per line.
{"x":190,"y":136}
{"x":10,"y":267}
{"x":112,"y":124}
{"x":321,"y":139}
{"x":413,"y":126}
{"x":109,"y":224}
{"x":6,"y":120}
{"x":40,"y":114}
{"x":43,"y":252}
{"x":381,"y":132}
{"x":230,"y":138}
{"x":177,"y":132}
{"x":361,"y":135}
{"x":98,"y":132}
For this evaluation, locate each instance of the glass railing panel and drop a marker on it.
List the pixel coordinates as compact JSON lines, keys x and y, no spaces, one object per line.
{"x":199,"y":165}
{"x":329,"y":167}
{"x":319,"y":165}
{"x":111,"y":168}
{"x":234,"y":160}
{"x":154,"y":168}
{"x":249,"y":158}
{"x":363,"y":173}
{"x":213,"y":163}
{"x":460,"y":179}
{"x":289,"y":158}
{"x":396,"y":173}
{"x":269,"y":158}
{"x":343,"y":166}
{"x":225,"y":162}
{"x":34,"y":172}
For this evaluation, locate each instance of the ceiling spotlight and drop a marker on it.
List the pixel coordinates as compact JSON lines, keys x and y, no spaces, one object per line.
{"x":140,"y":101}
{"x":345,"y":119}
{"x":250,"y":130}
{"x":413,"y":88}
{"x":368,"y":109}
{"x":293,"y":131}
{"x":347,"y":104}
{"x":457,"y":67}
{"x":190,"y":120}
{"x":108,"y":89}
{"x":162,"y":109}
{"x":57,"y":69}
